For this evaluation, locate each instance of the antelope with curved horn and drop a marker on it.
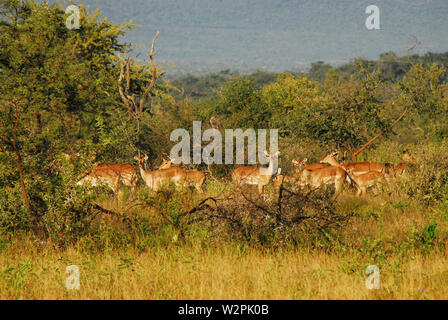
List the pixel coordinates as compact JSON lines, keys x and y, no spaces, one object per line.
{"x":154,"y":179}
{"x":194,"y":177}
{"x":254,"y":175}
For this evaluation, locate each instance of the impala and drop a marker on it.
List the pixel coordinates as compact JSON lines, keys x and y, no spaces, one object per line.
{"x":400,"y":169}
{"x":363,"y":181}
{"x":279,"y":179}
{"x":254,"y":175}
{"x":110,"y":175}
{"x":194,"y":177}
{"x":155,"y":179}
{"x":358,"y":167}
{"x":325,"y":176}
{"x":305,"y":173}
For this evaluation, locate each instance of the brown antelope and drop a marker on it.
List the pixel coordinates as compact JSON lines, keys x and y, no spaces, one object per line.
{"x":194,"y":177}
{"x":254,"y":175}
{"x":358,"y":167}
{"x":325,"y":176}
{"x":155,"y":179}
{"x":304,"y":174}
{"x":110,"y":175}
{"x":363,"y":181}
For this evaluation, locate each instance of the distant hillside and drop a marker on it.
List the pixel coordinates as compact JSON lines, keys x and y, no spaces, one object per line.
{"x":389,"y":65}
{"x":201,"y":36}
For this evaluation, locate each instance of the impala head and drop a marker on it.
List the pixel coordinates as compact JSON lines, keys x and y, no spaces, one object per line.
{"x":166,"y":163}
{"x":298,"y":164}
{"x":271,"y":155}
{"x":329,"y":158}
{"x":407,"y":157}
{"x":273,"y":163}
{"x":388,"y":168}
{"x":141,"y":160}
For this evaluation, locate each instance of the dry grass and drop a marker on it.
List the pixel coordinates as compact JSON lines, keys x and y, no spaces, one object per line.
{"x":405,"y":239}
{"x":216,"y":273}
{"x":381,"y":233}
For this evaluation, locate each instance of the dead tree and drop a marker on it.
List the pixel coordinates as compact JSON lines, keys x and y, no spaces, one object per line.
{"x":135,"y":106}
{"x":368,"y":143}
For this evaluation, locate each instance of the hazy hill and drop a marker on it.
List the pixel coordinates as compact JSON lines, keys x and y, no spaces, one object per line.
{"x":209,"y":35}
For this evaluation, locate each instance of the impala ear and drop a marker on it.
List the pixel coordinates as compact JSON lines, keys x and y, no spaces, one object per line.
{"x":266,"y":153}
{"x":295,"y":162}
{"x":146,"y":157}
{"x":279,"y":170}
{"x":136,"y":158}
{"x":277,"y":153}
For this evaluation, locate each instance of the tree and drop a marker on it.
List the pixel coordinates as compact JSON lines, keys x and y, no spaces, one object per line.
{"x":424,"y":92}
{"x":318,"y":71}
{"x":54,"y":81}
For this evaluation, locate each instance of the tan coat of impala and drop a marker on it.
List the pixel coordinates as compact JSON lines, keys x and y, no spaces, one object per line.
{"x":254,"y":175}
{"x":155,"y":179}
{"x":305,"y":173}
{"x":325,"y":176}
{"x":110,"y":175}
{"x":358,"y":167}
{"x":364,"y":181}
{"x":194,"y":177}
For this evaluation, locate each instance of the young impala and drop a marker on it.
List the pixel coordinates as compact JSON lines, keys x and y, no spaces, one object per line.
{"x":254,"y":175}
{"x":155,"y":179}
{"x":194,"y":177}
{"x":364,"y":181}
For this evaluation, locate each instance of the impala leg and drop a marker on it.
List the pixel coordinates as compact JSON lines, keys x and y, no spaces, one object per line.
{"x":364,"y":192}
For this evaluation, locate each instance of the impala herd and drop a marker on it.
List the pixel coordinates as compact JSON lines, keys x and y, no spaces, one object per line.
{"x":328,"y":171}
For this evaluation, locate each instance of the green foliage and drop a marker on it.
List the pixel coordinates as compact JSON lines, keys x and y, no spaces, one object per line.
{"x":60,"y":95}
{"x":425,"y":237}
{"x":318,"y":71}
{"x":53,"y":82}
{"x":239,"y":104}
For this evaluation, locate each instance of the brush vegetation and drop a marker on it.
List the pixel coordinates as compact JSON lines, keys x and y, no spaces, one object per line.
{"x":62,"y":112}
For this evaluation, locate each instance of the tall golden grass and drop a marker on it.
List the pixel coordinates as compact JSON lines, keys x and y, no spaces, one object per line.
{"x":393,"y":228}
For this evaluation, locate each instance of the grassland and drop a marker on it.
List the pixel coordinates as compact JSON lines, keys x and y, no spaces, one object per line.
{"x":408,"y":245}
